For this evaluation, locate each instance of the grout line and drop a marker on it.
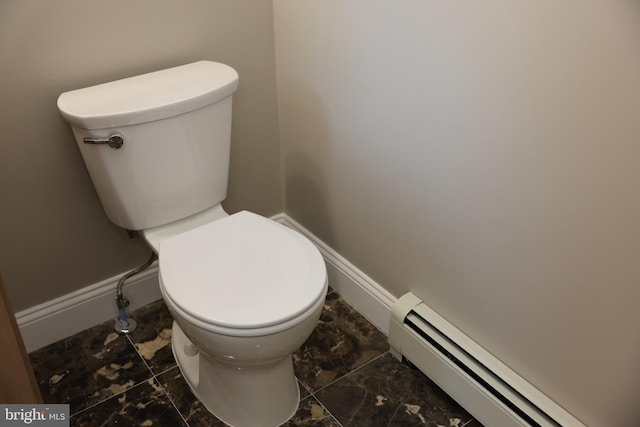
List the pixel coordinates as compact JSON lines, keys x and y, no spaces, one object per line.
{"x":110,"y":397}
{"x":323,"y":406}
{"x":155,"y":378}
{"x":172,"y":402}
{"x":313,"y":393}
{"x":123,"y":391}
{"x":351,"y":372}
{"x":138,"y":353}
{"x":167,"y":370}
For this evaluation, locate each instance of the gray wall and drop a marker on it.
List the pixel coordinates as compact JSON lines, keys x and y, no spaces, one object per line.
{"x":484,"y":155}
{"x":54,"y":236}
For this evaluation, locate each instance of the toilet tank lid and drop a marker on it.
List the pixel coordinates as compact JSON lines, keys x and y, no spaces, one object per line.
{"x":149,"y":97}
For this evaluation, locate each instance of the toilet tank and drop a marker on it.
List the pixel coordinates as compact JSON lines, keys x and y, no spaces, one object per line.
{"x":175,"y":126}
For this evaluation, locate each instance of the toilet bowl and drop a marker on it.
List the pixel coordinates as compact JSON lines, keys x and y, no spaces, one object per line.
{"x":244,"y":291}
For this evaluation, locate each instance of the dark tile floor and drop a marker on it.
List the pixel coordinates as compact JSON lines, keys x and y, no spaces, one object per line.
{"x":347,"y":377}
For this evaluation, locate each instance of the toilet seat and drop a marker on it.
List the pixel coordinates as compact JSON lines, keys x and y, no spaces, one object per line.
{"x":242,"y":272}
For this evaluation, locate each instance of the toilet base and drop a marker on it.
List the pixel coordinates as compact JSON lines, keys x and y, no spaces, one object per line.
{"x":253,"y":396}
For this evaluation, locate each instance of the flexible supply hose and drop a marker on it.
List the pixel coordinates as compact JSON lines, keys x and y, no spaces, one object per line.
{"x":122,"y":302}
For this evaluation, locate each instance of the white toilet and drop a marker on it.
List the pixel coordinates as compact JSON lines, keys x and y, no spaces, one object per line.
{"x":244,"y":291}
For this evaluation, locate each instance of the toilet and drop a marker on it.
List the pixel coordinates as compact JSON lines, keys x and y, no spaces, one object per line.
{"x":244,"y":291}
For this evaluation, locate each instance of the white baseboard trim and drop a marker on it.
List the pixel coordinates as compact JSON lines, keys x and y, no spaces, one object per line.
{"x":355,"y":287}
{"x":72,"y":313}
{"x":69,"y":314}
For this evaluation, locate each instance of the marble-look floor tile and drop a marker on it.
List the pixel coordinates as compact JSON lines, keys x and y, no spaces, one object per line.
{"x":342,"y":341}
{"x":88,"y":367}
{"x":191,"y":409}
{"x":311,"y":413}
{"x":152,"y":336}
{"x":387,"y":393}
{"x":143,"y":405}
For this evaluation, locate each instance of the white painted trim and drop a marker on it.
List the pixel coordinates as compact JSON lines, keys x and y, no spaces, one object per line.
{"x":354,"y":286}
{"x":69,"y":314}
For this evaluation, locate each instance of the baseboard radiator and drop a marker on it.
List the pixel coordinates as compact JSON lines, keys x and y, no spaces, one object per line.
{"x":490,"y":391}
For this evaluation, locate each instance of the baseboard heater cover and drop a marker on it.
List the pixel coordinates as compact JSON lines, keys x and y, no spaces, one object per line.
{"x":488,"y":389}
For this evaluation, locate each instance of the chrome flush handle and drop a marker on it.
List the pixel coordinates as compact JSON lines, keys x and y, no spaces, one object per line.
{"x":114,"y":141}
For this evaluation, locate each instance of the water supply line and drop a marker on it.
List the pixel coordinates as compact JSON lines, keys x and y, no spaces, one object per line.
{"x":124,"y":325}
